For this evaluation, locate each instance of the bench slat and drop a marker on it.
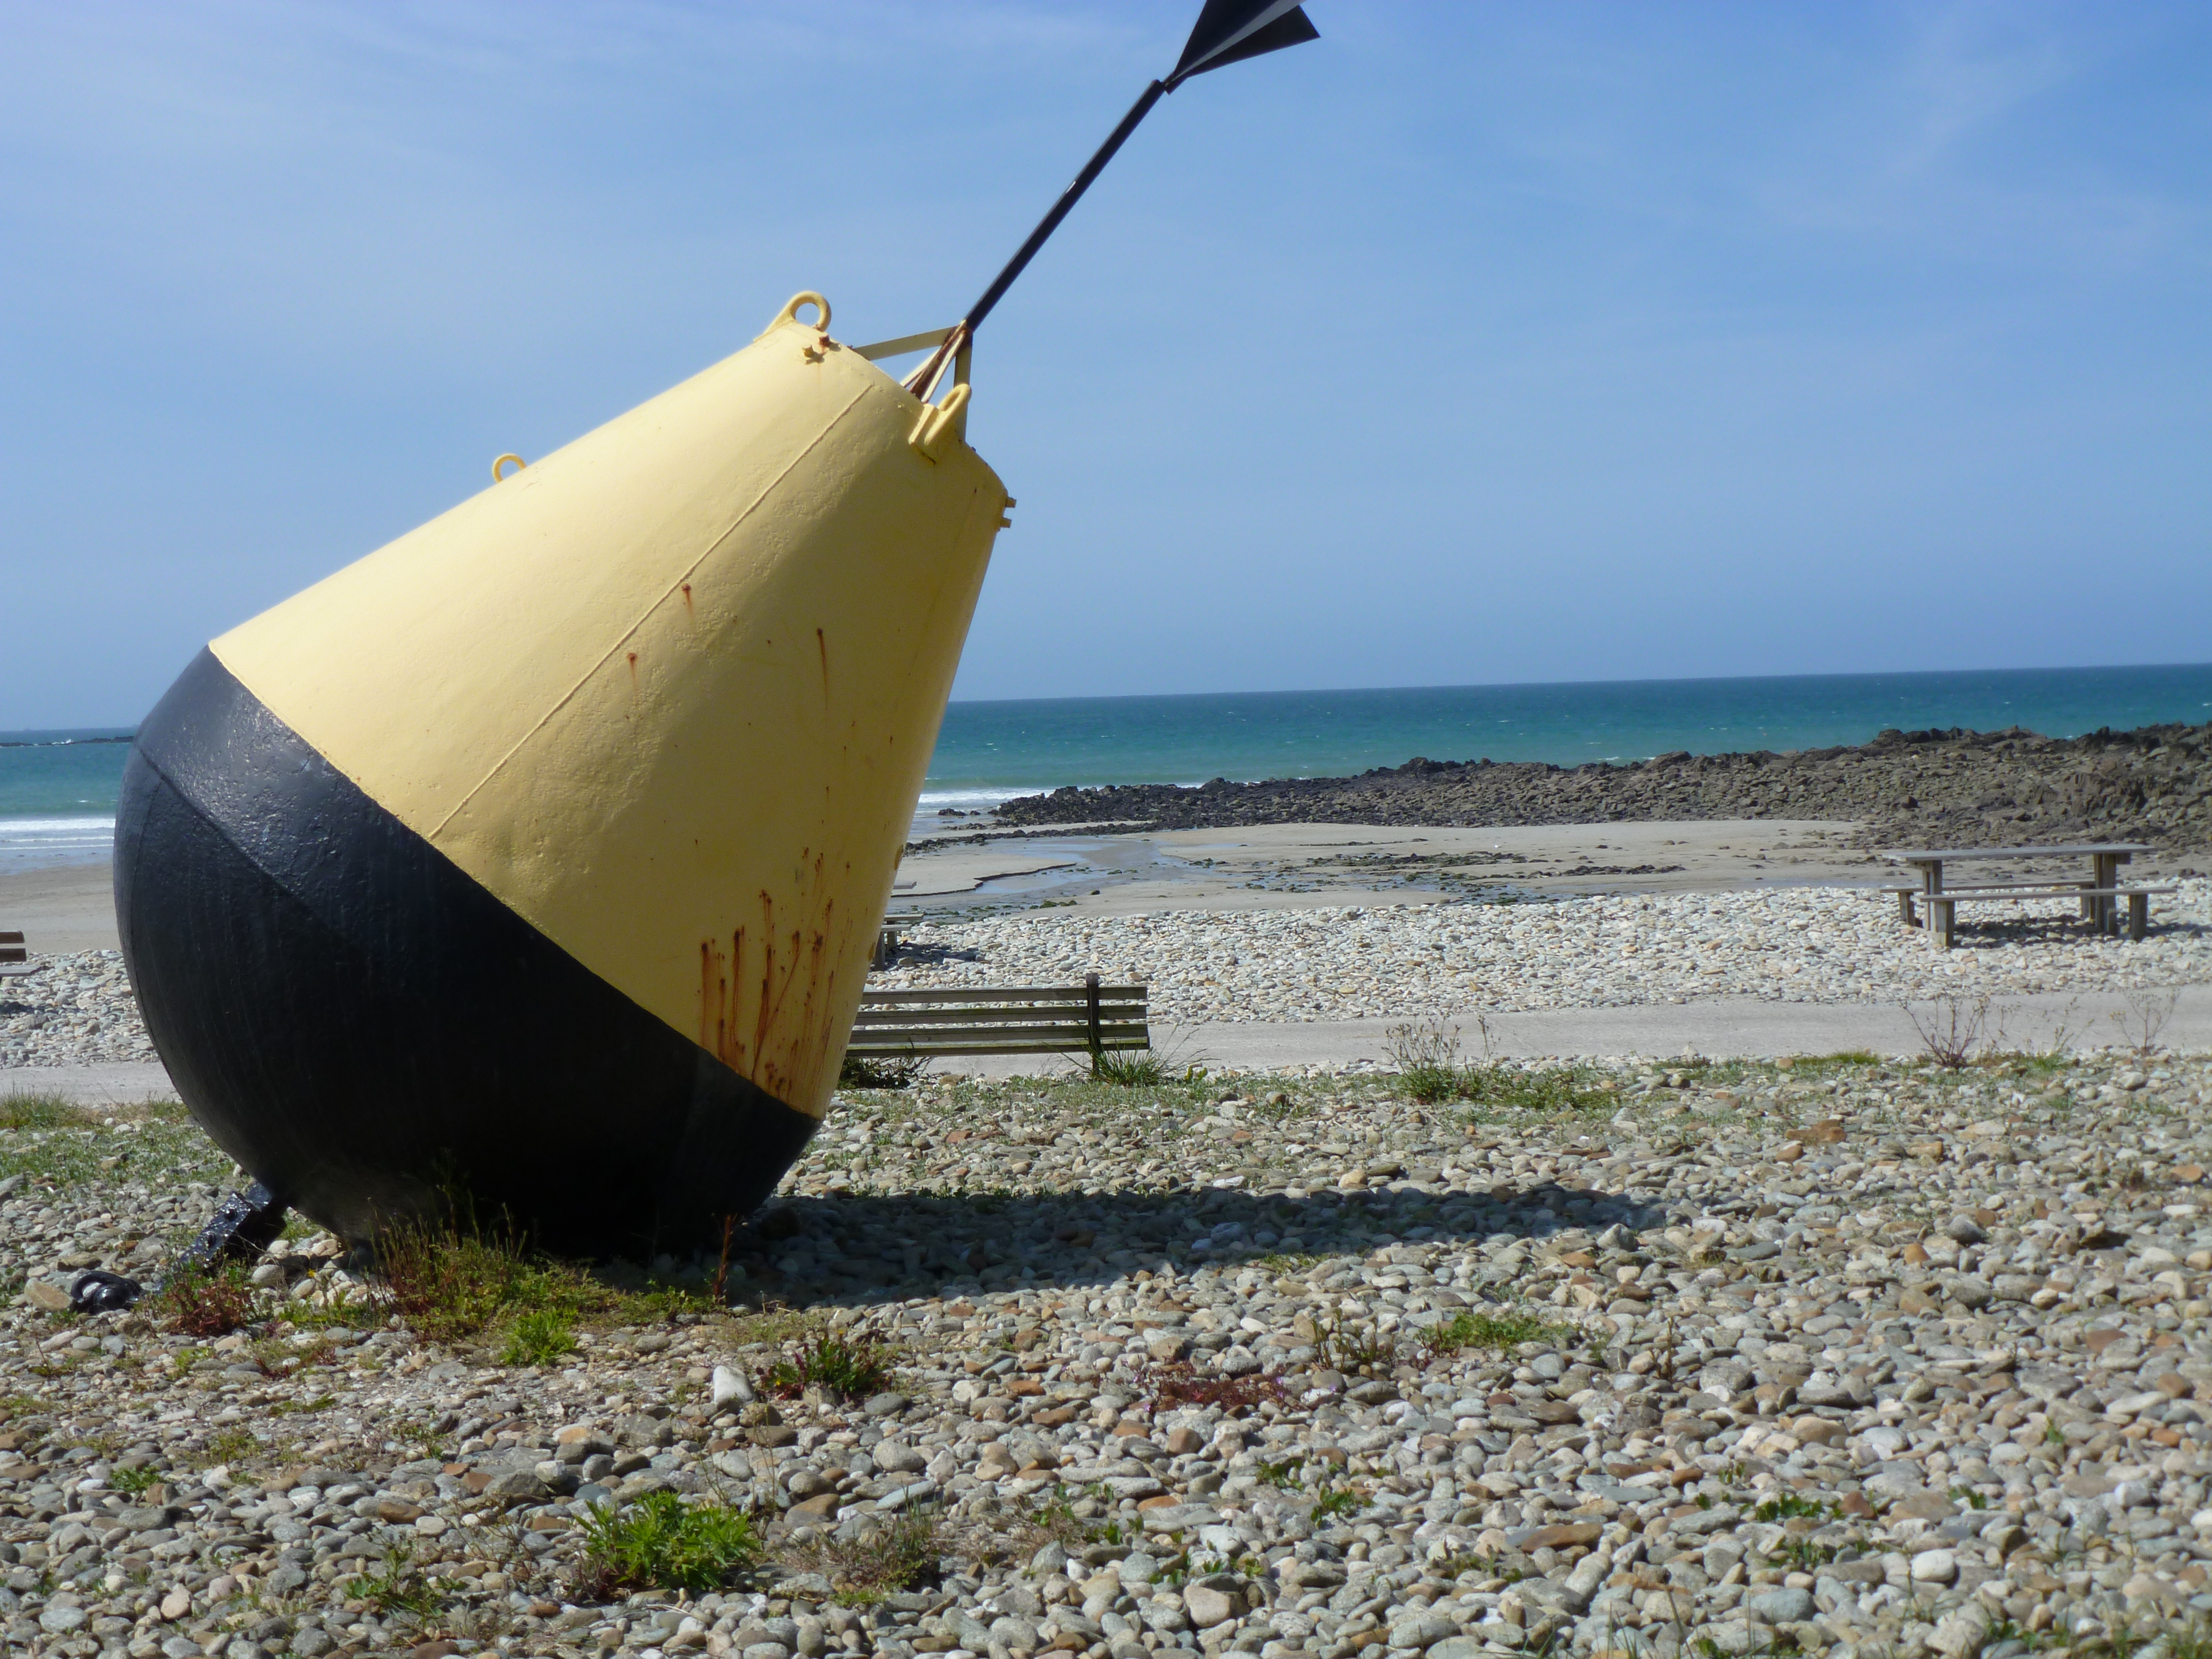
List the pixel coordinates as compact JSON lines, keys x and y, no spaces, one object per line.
{"x":981,"y":1046}
{"x":1048,"y":1014}
{"x":986,"y":995}
{"x":1075,"y":1030}
{"x":1968,"y":895}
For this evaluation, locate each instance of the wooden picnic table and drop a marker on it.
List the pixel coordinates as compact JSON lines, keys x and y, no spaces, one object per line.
{"x":2100,"y":903}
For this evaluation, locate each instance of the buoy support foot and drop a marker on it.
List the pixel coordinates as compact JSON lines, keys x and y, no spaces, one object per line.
{"x":243,"y":1226}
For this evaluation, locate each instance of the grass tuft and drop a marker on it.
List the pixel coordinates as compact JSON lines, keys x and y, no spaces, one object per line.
{"x":1426,"y":1059}
{"x":198,"y":1301}
{"x":398,"y":1586}
{"x":850,"y":1368}
{"x":1468,"y":1329}
{"x":906,"y":1555}
{"x":1129,"y":1068}
{"x":866,"y":1072}
{"x":43,"y":1112}
{"x":538,"y":1337}
{"x":450,"y":1283}
{"x":662,"y":1543}
{"x":1354,"y":1351}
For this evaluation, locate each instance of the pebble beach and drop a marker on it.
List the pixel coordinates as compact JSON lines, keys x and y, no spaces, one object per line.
{"x":1843,"y":1357}
{"x":1443,"y":960}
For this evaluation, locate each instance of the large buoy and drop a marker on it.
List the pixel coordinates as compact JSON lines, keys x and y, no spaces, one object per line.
{"x":530,"y":867}
{"x":537,"y":856}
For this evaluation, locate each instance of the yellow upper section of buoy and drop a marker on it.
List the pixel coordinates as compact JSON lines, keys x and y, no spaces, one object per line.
{"x":670,"y":691}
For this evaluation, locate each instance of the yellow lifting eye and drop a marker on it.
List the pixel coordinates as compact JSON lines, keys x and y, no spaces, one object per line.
{"x":497,"y":476}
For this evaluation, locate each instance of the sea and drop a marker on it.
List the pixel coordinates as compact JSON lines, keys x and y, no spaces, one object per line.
{"x":57,"y":789}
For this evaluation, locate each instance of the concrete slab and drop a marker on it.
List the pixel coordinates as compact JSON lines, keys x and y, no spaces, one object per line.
{"x":1721,"y":1028}
{"x":107,"y":1083}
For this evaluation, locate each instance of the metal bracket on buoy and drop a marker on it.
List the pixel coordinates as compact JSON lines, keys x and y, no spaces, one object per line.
{"x":940,"y":422}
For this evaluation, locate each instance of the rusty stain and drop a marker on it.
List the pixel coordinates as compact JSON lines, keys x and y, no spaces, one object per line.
{"x":823,"y":646}
{"x":789,"y":1047}
{"x":633,"y":670}
{"x":687,"y":596}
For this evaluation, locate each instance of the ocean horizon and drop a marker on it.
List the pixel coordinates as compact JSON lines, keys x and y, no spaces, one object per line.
{"x":57,"y":789}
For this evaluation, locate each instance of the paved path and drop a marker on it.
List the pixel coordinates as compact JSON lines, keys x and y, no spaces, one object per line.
{"x":1724,"y":1028}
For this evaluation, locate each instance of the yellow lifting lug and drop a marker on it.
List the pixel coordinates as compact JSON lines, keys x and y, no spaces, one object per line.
{"x":941,"y":423}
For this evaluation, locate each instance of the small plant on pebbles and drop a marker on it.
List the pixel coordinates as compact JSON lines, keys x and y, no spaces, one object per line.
{"x":1467,"y":1330}
{"x":1329,"y":1502}
{"x":905,"y":1554}
{"x":1426,"y":1059}
{"x":660,"y":1542}
{"x":1176,"y":1384}
{"x":868,"y":1072}
{"x":450,"y":1283}
{"x":1354,"y":1352}
{"x":538,"y":1337}
{"x":199,"y":1301}
{"x":1135,"y":1068}
{"x":852,"y":1368}
{"x":399,"y":1586}
{"x":28,"y":1111}
{"x":230,"y":1446}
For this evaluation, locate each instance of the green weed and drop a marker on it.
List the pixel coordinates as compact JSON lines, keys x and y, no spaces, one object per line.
{"x":1351,"y":1352}
{"x":1426,"y":1059}
{"x":1133,"y":1068}
{"x":450,"y":1283}
{"x":1802,"y":1554}
{"x":1284,"y":1475}
{"x":1546,"y":1089}
{"x":204,"y":1301}
{"x":538,"y":1337}
{"x":1330,"y":1502}
{"x":851,"y":1369}
{"x":903,"y":1556}
{"x":1469,"y":1329}
{"x":662,"y":1543}
{"x":871,"y":1071}
{"x":1791,"y":1505}
{"x":134,"y":1482}
{"x":43,"y":1112}
{"x":398,"y":1586}
{"x":231,"y":1446}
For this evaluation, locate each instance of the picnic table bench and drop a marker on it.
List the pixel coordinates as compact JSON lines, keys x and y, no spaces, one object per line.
{"x":15,"y":957}
{"x":1088,"y":1018}
{"x":887,"y":937}
{"x":2099,"y":897}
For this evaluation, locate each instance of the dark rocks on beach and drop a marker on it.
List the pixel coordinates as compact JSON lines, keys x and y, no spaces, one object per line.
{"x":2153,"y":784}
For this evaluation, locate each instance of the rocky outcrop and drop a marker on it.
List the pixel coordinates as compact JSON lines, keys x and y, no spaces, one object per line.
{"x":1983,"y":788}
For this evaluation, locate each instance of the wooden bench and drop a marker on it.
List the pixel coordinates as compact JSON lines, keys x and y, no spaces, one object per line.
{"x":887,"y":937}
{"x":1089,"y":1018}
{"x":14,"y":958}
{"x":2026,"y":887}
{"x":1943,"y":907}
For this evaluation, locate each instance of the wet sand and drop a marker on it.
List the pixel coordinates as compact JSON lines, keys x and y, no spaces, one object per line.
{"x":1265,"y":867}
{"x":1304,"y":866}
{"x":69,"y":908}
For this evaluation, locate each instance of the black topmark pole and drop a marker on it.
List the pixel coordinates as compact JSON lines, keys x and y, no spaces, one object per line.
{"x":1227,"y":32}
{"x":1068,"y":199}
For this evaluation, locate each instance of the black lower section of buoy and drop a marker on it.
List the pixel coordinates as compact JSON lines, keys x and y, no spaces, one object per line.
{"x":375,"y":1037}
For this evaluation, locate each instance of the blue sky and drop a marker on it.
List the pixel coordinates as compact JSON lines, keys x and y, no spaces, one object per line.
{"x":1470,"y":344}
